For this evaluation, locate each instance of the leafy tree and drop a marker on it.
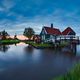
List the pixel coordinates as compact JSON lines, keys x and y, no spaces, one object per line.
{"x":29,"y":32}
{"x":4,"y":34}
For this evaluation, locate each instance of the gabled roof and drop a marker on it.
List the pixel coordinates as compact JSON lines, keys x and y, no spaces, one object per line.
{"x":67,"y":31}
{"x":52,"y":31}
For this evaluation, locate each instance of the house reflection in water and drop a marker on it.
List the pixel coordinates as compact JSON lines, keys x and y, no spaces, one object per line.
{"x":74,"y":48}
{"x":4,"y":48}
{"x":70,"y":50}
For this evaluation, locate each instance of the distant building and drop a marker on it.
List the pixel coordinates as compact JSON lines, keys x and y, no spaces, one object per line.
{"x":0,"y":37}
{"x":49,"y":33}
{"x":36,"y":38}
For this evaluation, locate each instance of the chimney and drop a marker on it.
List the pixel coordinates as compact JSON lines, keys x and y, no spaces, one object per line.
{"x":51,"y":25}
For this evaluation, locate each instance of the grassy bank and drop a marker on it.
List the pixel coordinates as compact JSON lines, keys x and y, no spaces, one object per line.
{"x":74,"y":74}
{"x":9,"y":41}
{"x":40,"y":45}
{"x":47,"y":45}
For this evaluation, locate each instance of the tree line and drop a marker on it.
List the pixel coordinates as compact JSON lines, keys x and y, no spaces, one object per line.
{"x":28,"y":32}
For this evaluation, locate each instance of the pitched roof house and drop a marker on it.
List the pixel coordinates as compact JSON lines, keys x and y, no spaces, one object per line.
{"x":36,"y":38}
{"x":68,"y":31}
{"x":52,"y":31}
{"x":49,"y":32}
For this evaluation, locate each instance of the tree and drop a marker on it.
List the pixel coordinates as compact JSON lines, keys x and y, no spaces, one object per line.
{"x":29,"y":32}
{"x":4,"y":34}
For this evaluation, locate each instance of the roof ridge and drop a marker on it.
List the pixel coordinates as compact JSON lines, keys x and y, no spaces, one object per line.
{"x":52,"y":31}
{"x":50,"y":27}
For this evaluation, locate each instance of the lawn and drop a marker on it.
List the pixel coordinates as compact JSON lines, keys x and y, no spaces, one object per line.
{"x":9,"y":41}
{"x":74,"y":74}
{"x":45,"y":45}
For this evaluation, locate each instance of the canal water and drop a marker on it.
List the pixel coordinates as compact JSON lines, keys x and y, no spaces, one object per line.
{"x":23,"y":62}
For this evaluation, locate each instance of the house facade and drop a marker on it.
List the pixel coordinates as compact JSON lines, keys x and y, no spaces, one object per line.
{"x":49,"y":33}
{"x":68,"y":32}
{"x":52,"y":34}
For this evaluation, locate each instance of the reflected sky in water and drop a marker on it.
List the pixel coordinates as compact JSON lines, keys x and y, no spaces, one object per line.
{"x":23,"y":62}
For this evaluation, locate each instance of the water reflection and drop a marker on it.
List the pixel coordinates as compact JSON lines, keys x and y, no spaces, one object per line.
{"x":74,"y":48}
{"x":23,"y":62}
{"x":28,"y":49}
{"x":21,"y":43}
{"x":71,"y":49}
{"x":4,"y":48}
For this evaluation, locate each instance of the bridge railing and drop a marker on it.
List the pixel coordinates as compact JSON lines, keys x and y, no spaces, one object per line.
{"x":62,"y":37}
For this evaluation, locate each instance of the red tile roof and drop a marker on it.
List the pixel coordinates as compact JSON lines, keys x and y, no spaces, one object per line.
{"x":67,"y":31}
{"x":52,"y":31}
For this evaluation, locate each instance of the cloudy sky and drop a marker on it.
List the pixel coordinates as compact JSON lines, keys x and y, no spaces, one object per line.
{"x":15,"y":15}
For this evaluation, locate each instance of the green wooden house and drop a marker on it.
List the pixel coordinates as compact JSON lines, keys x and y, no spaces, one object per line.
{"x":49,"y":33}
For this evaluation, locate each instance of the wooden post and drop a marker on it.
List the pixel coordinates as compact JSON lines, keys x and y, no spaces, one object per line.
{"x":55,"y":38}
{"x":71,"y":39}
{"x":73,"y":48}
{"x":78,"y":39}
{"x":65,"y":38}
{"x":60,"y":40}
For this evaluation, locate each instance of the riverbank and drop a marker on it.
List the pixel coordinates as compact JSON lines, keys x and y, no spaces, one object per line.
{"x":47,"y":45}
{"x":74,"y":74}
{"x":36,"y":45}
{"x":9,"y":41}
{"x":40,"y":45}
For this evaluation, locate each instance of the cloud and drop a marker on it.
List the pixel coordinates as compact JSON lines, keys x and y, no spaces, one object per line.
{"x":1,"y":9}
{"x":60,"y":18}
{"x":6,"y":5}
{"x":17,"y":14}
